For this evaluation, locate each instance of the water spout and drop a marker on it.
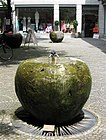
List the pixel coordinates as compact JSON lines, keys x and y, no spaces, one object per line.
{"x":53,"y":56}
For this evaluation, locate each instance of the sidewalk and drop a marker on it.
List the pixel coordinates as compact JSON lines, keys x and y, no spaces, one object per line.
{"x":92,"y":51}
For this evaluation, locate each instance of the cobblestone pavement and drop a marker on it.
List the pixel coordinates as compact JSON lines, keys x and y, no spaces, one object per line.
{"x":92,"y":51}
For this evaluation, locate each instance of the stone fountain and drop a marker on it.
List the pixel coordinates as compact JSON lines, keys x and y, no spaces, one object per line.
{"x":53,"y":90}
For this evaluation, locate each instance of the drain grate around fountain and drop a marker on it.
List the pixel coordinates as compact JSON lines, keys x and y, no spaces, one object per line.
{"x":9,"y":123}
{"x":85,"y":124}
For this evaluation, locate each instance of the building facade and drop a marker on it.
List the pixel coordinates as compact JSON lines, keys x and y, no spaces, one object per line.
{"x":38,"y":14}
{"x":102,"y":17}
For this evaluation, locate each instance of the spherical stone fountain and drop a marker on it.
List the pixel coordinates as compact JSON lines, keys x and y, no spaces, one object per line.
{"x":56,"y":36}
{"x":54,"y":92}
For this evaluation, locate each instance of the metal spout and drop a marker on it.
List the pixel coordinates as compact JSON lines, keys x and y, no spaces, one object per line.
{"x":53,"y":56}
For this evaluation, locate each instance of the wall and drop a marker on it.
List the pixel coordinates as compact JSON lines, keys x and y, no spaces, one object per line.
{"x":56,"y":2}
{"x":105,"y":19}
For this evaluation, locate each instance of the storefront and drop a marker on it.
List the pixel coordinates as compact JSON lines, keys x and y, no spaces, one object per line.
{"x":45,"y":16}
{"x":51,"y":11}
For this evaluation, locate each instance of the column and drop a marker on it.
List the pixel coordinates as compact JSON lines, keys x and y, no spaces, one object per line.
{"x":37,"y":20}
{"x":13,"y":16}
{"x":101,"y":19}
{"x":16,"y":21}
{"x":79,"y":17}
{"x":56,"y":12}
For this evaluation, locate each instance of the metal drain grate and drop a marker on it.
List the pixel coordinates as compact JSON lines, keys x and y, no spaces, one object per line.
{"x":85,"y":124}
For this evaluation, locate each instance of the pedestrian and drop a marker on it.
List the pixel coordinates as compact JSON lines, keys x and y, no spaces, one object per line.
{"x":63,"y":27}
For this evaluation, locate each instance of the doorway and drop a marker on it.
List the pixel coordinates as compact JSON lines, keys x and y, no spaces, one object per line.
{"x":89,"y":18}
{"x":90,"y":21}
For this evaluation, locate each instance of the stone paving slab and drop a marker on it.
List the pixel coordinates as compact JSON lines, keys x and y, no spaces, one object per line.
{"x":92,"y":51}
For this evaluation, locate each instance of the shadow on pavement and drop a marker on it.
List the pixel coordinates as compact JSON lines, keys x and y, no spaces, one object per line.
{"x":43,"y":39}
{"x":99,"y":43}
{"x":25,"y":52}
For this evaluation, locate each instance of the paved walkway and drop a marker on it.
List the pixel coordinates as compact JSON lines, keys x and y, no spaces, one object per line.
{"x":92,"y":51}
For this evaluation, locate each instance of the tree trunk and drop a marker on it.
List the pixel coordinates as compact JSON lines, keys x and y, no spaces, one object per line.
{"x":8,"y":16}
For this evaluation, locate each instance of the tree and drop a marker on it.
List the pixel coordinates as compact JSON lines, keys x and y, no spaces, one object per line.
{"x":9,"y":10}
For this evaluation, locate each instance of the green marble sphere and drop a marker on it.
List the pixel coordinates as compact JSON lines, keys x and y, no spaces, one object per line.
{"x":53,"y":92}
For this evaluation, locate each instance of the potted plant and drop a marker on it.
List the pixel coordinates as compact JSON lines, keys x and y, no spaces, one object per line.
{"x":75,"y":24}
{"x":74,"y":33}
{"x":56,"y":23}
{"x":56,"y":36}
